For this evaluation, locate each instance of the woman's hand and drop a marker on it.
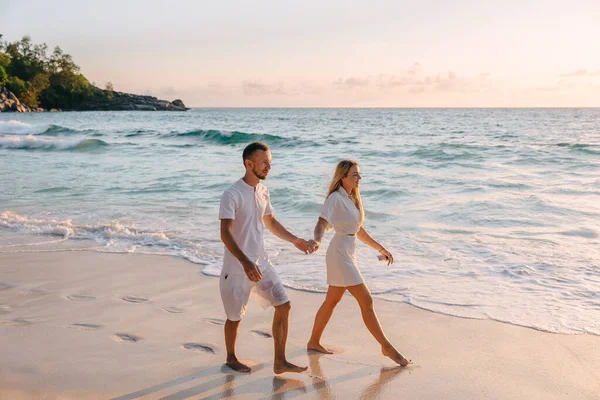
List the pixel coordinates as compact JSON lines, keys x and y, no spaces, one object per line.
{"x":386,"y":255}
{"x":313,"y":246}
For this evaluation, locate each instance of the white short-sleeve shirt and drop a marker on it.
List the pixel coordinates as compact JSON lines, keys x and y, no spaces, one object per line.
{"x":246,"y":206}
{"x":341,"y":213}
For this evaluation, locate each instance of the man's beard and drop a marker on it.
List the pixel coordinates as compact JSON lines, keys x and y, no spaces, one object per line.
{"x":259,"y":175}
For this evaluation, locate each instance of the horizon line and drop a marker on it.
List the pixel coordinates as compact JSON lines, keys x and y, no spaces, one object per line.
{"x":394,"y":108}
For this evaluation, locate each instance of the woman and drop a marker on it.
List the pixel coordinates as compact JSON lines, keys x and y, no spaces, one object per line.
{"x":343,"y":211}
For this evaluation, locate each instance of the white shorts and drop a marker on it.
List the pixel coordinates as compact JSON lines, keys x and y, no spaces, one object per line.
{"x":236,"y":289}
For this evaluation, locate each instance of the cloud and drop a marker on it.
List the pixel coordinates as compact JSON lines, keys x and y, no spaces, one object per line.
{"x":257,"y":88}
{"x":409,"y":77}
{"x":352,"y":82}
{"x":168,"y":92}
{"x":547,"y":89}
{"x":415,"y":81}
{"x":581,"y":79}
{"x":580,"y":73}
{"x":408,"y":86}
{"x":311,"y":88}
{"x":565,"y":85}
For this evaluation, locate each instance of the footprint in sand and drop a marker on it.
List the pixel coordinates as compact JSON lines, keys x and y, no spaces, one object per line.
{"x":37,"y":292}
{"x":262,"y":334}
{"x":126,"y":337}
{"x":18,"y":322}
{"x":134,"y":299}
{"x":207,"y":348}
{"x":215,"y":321}
{"x":6,"y":286}
{"x":173,"y":310}
{"x":80,"y":297}
{"x":87,"y":327}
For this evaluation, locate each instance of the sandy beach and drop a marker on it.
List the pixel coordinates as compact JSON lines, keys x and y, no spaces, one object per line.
{"x":446,"y":157}
{"x":89,"y":325}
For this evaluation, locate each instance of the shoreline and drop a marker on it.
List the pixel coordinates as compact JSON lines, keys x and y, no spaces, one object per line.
{"x":86,"y":324}
{"x":96,"y":247}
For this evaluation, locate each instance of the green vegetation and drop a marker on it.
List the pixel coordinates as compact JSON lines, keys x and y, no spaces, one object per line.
{"x":45,"y":80}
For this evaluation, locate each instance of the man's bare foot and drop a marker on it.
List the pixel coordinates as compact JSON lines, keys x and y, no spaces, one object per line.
{"x":318,"y":347}
{"x":238,"y":366}
{"x":280,"y":368}
{"x":398,"y":358}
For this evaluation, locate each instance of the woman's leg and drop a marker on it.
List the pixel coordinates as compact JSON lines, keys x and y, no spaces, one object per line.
{"x":334,"y":295}
{"x":363,"y":296}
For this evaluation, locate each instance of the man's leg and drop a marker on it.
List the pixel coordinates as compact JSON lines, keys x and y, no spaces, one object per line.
{"x":271,"y":290}
{"x":231,"y":332}
{"x":280,"y":331}
{"x":234,"y":309}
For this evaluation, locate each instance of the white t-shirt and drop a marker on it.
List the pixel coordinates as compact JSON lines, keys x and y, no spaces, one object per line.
{"x":340,"y":213}
{"x":246,"y":206}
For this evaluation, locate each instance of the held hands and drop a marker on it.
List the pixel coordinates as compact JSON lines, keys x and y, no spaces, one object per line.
{"x":252,"y":271}
{"x":386,"y":255}
{"x":302,"y":245}
{"x":307,"y":247}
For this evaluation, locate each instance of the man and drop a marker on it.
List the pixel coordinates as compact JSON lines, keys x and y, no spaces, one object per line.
{"x":245,"y":211}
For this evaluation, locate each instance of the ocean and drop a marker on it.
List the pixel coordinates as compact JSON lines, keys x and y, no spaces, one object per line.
{"x":490,"y":213}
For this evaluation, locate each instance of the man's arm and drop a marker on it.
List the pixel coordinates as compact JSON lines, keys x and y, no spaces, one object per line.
{"x":318,"y":235}
{"x":250,"y":268}
{"x":278,"y":230}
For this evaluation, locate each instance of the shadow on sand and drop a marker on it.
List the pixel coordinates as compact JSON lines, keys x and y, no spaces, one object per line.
{"x":273,"y":387}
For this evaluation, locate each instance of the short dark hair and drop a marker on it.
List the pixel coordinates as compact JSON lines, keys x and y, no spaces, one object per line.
{"x":253,"y":148}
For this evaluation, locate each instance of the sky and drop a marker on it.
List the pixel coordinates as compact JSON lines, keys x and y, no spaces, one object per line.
{"x":328,"y":53}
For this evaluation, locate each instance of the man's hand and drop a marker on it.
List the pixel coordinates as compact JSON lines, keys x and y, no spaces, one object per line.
{"x":302,"y":245}
{"x":313,"y":246}
{"x":252,"y":271}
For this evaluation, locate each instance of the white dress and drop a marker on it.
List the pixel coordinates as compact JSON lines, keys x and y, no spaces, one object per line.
{"x":341,"y":214}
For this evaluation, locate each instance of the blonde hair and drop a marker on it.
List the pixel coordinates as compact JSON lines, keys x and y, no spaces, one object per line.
{"x":341,"y":171}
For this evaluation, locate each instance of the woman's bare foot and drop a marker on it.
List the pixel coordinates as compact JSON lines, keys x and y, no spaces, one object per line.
{"x":318,"y":347}
{"x":398,"y":358}
{"x":238,"y":366}
{"x":281,"y":367}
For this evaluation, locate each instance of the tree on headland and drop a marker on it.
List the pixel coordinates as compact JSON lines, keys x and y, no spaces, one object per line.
{"x":109,"y":90}
{"x":39,"y":79}
{"x":4,"y":61}
{"x":3,"y":76}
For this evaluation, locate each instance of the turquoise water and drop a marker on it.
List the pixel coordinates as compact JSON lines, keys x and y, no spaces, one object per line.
{"x":490,"y":213}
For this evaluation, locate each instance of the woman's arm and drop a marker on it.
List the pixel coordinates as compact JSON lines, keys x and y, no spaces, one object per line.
{"x":364,"y":237}
{"x":318,"y":234}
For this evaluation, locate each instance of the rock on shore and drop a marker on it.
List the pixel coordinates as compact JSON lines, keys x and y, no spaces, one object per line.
{"x":100,"y":102}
